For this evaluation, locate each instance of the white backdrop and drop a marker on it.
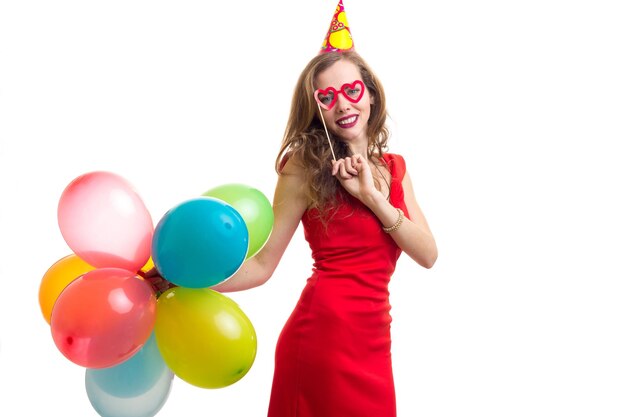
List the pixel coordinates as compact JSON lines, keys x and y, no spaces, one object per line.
{"x":510,"y":116}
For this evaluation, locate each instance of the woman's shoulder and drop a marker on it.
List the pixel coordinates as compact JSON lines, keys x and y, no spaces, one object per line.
{"x":291,"y":164}
{"x":291,"y":179}
{"x":393,"y":156}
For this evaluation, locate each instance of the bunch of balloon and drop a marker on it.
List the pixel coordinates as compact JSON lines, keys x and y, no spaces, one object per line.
{"x":131,"y":338}
{"x":204,"y":337}
{"x":100,"y":310}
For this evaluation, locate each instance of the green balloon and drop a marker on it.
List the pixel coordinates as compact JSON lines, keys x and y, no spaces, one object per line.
{"x":254,"y":208}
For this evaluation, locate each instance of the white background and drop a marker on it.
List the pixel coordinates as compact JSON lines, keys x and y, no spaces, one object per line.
{"x":511,"y":116}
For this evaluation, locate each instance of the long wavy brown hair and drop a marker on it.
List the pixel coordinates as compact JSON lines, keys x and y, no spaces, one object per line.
{"x":305,"y":138}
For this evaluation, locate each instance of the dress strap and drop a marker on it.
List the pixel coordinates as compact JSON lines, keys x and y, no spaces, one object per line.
{"x":396,"y":164}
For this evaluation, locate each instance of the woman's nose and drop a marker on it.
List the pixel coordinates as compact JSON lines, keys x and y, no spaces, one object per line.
{"x":343,"y":103}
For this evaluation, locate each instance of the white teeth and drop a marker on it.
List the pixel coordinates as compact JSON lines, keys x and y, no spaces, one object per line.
{"x":347,"y":121}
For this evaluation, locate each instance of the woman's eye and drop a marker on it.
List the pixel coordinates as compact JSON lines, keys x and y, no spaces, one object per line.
{"x":326,"y":99}
{"x":353,"y":92}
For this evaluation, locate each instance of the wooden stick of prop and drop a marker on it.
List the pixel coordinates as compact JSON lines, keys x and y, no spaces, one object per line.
{"x":326,"y":130}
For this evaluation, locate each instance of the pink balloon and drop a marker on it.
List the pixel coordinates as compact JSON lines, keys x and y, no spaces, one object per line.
{"x":105,"y":222}
{"x":103,"y":318}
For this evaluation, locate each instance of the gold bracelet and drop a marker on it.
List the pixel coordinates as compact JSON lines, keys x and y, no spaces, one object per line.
{"x":397,"y":224}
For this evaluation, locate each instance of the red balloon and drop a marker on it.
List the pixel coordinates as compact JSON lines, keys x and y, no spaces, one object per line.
{"x":103,"y":318}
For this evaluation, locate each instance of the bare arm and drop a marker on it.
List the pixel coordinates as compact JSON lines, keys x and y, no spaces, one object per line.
{"x":413,"y":236}
{"x":289,"y":205}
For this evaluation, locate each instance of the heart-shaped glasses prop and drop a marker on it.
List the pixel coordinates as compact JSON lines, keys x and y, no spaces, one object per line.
{"x":326,"y":99}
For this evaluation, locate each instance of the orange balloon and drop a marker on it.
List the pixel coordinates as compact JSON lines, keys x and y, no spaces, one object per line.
{"x":56,"y":278}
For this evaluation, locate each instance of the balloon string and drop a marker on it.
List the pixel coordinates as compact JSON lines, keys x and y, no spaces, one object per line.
{"x":326,"y":130}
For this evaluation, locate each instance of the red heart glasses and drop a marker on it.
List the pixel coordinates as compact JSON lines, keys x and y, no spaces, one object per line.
{"x":328,"y":97}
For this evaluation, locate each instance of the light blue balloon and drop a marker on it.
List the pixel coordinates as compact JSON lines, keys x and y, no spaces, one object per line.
{"x":200,"y":243}
{"x":133,"y":376}
{"x":138,"y":387}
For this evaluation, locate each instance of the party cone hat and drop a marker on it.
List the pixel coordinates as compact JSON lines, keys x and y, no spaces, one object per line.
{"x":338,"y":37}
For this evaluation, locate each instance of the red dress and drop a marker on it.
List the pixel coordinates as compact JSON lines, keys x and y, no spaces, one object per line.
{"x":333,"y":356}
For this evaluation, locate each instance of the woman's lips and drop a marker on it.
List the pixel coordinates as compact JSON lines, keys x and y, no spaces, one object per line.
{"x":348,"y":121}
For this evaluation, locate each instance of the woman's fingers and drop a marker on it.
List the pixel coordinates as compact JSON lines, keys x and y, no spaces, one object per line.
{"x":343,"y":171}
{"x":350,"y":166}
{"x":343,"y":167}
{"x":358,"y":162}
{"x":336,"y":165}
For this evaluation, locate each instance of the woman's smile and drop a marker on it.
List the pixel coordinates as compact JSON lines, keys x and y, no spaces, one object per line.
{"x":348,"y":121}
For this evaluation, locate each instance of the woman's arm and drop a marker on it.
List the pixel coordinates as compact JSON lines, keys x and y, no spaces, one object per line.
{"x":289,"y":205}
{"x":412,"y":236}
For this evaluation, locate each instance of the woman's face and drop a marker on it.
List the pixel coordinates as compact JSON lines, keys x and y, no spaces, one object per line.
{"x":345,"y":101}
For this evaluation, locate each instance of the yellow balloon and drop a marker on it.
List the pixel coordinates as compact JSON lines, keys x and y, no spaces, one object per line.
{"x":204,"y":337}
{"x":148,"y":266}
{"x":56,"y":278}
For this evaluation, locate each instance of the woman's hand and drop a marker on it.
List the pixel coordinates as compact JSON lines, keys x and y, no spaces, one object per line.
{"x":355,"y":176}
{"x":157,"y":282}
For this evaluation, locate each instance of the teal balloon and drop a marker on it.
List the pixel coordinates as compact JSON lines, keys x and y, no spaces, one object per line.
{"x":138,"y":387}
{"x":253,"y":206}
{"x":199,"y":243}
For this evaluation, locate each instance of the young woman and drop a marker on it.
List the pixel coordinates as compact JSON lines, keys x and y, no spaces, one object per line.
{"x":359,"y":212}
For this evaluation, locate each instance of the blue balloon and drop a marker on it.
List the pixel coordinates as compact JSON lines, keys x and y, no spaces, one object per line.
{"x":138,"y":387}
{"x":134,"y":376}
{"x":200,"y":243}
